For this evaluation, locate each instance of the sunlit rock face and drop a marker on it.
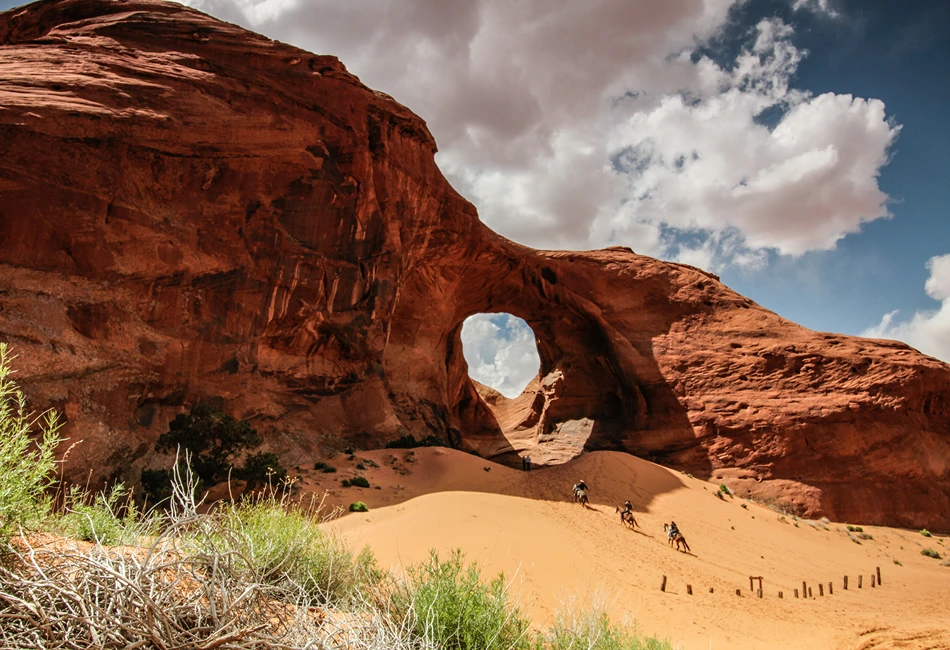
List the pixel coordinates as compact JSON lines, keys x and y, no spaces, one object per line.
{"x":192,"y":211}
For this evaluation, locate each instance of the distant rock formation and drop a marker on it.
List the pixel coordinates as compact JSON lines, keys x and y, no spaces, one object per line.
{"x":189,"y":210}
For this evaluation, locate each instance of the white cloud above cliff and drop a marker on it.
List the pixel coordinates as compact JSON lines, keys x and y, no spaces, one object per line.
{"x":581,"y":125}
{"x":929,"y":330}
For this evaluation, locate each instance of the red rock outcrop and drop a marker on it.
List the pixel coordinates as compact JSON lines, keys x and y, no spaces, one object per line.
{"x":189,"y":210}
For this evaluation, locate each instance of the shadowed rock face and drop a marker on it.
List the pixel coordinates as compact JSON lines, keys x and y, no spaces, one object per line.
{"x":192,"y":211}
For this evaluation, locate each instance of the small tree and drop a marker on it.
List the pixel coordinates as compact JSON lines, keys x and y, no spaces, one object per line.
{"x":213,"y":438}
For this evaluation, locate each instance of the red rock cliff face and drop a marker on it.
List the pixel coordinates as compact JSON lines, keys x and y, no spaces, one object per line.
{"x":189,"y":211}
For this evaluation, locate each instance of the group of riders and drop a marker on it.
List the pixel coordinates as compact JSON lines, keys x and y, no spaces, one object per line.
{"x":626,"y":515}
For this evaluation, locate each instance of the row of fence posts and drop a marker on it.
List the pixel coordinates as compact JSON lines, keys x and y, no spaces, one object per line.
{"x":806,"y":591}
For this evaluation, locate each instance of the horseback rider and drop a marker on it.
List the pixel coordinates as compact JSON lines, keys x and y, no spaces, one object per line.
{"x":674,"y":531}
{"x":580,"y":485}
{"x":627,"y":507}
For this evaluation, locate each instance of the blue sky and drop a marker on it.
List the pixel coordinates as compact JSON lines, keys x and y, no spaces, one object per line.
{"x":900,"y":55}
{"x":795,"y":147}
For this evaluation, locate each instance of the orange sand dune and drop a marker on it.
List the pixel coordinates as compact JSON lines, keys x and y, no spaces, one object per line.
{"x":527,"y":525}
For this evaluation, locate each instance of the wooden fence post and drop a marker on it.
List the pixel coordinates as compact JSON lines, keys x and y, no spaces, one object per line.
{"x":831,"y":589}
{"x":878,"y":576}
{"x":738,"y":592}
{"x":809,"y":592}
{"x":663,"y":584}
{"x":804,"y":590}
{"x":710,"y":590}
{"x":846,"y":583}
{"x":780,"y":595}
{"x":689,"y":590}
{"x":821,"y":589}
{"x":759,"y":593}
{"x":860,"y":580}
{"x":796,"y":593}
{"x":872,"y":581}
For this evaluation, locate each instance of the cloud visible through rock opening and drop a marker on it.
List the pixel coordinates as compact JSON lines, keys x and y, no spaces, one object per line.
{"x":928,"y":331}
{"x":501,"y":352}
{"x":614,"y":122}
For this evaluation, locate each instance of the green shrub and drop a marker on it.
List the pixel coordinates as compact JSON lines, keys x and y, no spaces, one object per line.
{"x":897,"y":562}
{"x":262,"y":467}
{"x":26,"y":465}
{"x":591,"y":629}
{"x":348,"y":451}
{"x":929,"y":552}
{"x":450,"y":607}
{"x":326,"y":468}
{"x":361,"y":467}
{"x":287,"y":548}
{"x":157,"y":485}
{"x":356,"y":481}
{"x":358,"y":506}
{"x":213,"y":439}
{"x":925,"y":532}
{"x":109,"y":518}
{"x":409,"y":442}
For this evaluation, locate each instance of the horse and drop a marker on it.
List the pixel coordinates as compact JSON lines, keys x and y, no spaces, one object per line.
{"x":580,"y":496}
{"x":678,"y":538}
{"x":627,"y":518}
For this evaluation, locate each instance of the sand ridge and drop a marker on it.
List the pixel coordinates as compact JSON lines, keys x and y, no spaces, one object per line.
{"x":527,"y":525}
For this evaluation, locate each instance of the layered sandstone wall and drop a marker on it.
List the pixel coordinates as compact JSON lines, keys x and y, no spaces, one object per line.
{"x":192,"y":211}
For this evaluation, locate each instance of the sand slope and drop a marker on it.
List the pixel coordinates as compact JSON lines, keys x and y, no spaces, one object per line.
{"x":527,"y":525}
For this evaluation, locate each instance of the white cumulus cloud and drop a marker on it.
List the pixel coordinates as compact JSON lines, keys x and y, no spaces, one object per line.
{"x":928,"y":331}
{"x":501,"y":352}
{"x":581,"y":125}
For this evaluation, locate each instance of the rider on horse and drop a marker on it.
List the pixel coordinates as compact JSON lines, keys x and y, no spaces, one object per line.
{"x":674,"y":531}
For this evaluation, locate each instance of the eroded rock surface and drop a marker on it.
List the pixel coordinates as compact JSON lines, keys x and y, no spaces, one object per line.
{"x":192,"y":211}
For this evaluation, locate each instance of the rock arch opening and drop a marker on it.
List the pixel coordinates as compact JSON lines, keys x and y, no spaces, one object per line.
{"x":501,"y":352}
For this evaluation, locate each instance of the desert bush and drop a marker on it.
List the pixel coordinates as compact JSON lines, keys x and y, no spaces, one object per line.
{"x":409,"y":442}
{"x":591,"y":629}
{"x":213,"y":439}
{"x":925,"y":532}
{"x":262,"y":467}
{"x":356,"y":481}
{"x":929,"y":552}
{"x":448,"y":605}
{"x":361,"y":467}
{"x":326,"y":468}
{"x":287,"y":547}
{"x":358,"y":506}
{"x":109,"y":517}
{"x":26,"y":465}
{"x":897,"y":562}
{"x":854,"y":529}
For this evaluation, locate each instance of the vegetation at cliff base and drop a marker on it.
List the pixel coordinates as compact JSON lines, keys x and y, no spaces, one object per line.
{"x":262,"y":572}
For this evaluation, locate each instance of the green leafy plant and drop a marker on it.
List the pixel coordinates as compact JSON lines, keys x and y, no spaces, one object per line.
{"x":262,"y":467}
{"x":409,"y":442}
{"x":358,"y":506}
{"x":361,"y":467}
{"x":109,"y":517}
{"x":213,"y":438}
{"x":897,"y":562}
{"x":929,"y":552}
{"x":326,"y":468}
{"x":287,"y":548}
{"x":356,"y":481}
{"x":449,"y":606}
{"x":591,"y":629}
{"x":925,"y":532}
{"x":26,"y":464}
